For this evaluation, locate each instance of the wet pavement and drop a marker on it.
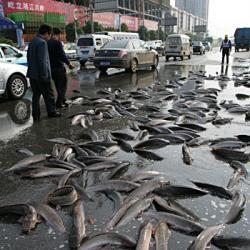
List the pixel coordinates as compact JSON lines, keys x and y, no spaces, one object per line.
{"x":17,"y":130}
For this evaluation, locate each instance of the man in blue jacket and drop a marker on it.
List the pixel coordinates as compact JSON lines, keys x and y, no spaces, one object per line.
{"x":39,"y":73}
{"x":58,"y":59}
{"x":225,"y":47}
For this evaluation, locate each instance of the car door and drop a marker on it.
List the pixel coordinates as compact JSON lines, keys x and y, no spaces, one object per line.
{"x":11,"y":55}
{"x":147,"y":54}
{"x":138,"y":51}
{"x":2,"y":57}
{"x":1,"y":77}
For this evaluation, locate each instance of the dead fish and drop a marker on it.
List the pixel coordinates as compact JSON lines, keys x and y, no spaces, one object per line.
{"x":123,"y":136}
{"x":114,"y":239}
{"x":152,"y":144}
{"x":221,"y":121}
{"x":44,"y":172}
{"x":239,"y":167}
{"x":237,"y":207}
{"x":110,"y":151}
{"x":62,"y":182}
{"x":145,"y":237}
{"x":116,"y":198}
{"x":148,"y":155}
{"x":230,"y":155}
{"x":204,"y":238}
{"x":119,"y":171}
{"x":29,"y":215}
{"x":27,"y":161}
{"x":214,"y":190}
{"x":192,"y":126}
{"x":196,"y":142}
{"x":244,"y":138}
{"x":25,"y":151}
{"x":169,"y":137}
{"x":179,"y":191}
{"x":187,"y":159}
{"x":117,"y":185}
{"x":136,"y":209}
{"x":229,"y":145}
{"x":242,"y":96}
{"x":162,"y":235}
{"x":232,"y":243}
{"x":141,"y":135}
{"x":78,"y":227}
{"x":63,"y":196}
{"x":126,"y":147}
{"x":234,"y":180}
{"x":61,"y":141}
{"x":157,"y":122}
{"x":176,"y":222}
{"x":107,"y":165}
{"x":50,"y":215}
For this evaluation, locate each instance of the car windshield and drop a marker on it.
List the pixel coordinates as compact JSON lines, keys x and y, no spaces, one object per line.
{"x":86,"y":41}
{"x":174,"y":40}
{"x":196,"y":43}
{"x":122,"y":44}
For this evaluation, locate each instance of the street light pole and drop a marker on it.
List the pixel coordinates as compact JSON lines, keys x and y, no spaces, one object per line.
{"x":92,"y":4}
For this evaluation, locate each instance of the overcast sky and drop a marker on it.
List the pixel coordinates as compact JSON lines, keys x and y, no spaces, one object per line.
{"x":226,"y":15}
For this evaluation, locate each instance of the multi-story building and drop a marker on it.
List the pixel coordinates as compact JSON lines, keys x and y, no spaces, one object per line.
{"x":196,"y":7}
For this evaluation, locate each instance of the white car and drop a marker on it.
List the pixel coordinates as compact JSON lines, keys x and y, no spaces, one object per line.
{"x":11,"y":54}
{"x":13,"y":81}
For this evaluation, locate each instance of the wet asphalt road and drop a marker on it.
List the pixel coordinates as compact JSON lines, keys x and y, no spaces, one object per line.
{"x":17,"y":130}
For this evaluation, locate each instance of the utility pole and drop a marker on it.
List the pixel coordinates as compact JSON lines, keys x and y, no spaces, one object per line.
{"x":92,"y":8}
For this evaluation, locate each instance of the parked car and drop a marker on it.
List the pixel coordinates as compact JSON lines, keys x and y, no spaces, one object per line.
{"x":242,"y":39}
{"x":11,"y":54}
{"x":198,"y":47}
{"x":207,"y":45}
{"x":129,"y":54}
{"x":13,"y":81}
{"x":87,"y":45}
{"x":70,"y":50}
{"x":178,"y":45}
{"x":157,"y":45}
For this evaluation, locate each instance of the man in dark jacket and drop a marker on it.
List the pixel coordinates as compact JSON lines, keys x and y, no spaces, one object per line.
{"x":57,"y":60}
{"x":225,"y":47}
{"x":39,"y":73}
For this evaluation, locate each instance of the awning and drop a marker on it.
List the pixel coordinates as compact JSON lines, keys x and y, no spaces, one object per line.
{"x":6,"y":23}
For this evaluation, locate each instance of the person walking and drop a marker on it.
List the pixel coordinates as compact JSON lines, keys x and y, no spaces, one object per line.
{"x":58,"y":59}
{"x":225,"y":47}
{"x":39,"y":73}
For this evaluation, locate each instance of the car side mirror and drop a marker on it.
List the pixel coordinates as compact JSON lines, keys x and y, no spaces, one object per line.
{"x":18,"y":55}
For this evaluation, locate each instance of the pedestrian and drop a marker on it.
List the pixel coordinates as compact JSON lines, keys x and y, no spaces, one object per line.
{"x":58,"y":59}
{"x":39,"y":73}
{"x":225,"y":47}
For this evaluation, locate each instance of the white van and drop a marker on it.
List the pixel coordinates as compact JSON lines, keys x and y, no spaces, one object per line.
{"x":178,"y":45}
{"x":120,"y":35}
{"x":87,"y":45}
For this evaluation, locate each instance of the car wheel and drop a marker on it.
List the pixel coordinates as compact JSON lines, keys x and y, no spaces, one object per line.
{"x":21,"y":111}
{"x":16,"y":87}
{"x":167,"y":58}
{"x":174,"y":58}
{"x":182,"y":58}
{"x":133,"y":66}
{"x":156,"y":62}
{"x":201,"y":53}
{"x":189,"y":57}
{"x":103,"y":69}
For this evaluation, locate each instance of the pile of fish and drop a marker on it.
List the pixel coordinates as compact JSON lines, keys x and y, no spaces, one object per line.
{"x":89,"y":166}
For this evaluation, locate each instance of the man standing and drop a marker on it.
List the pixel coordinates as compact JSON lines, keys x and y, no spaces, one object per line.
{"x":57,"y":60}
{"x":225,"y":47}
{"x":39,"y":73}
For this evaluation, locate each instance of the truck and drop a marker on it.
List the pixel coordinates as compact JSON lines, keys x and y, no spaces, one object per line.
{"x":242,"y":39}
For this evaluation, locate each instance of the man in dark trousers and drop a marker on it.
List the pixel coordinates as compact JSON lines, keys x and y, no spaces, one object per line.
{"x":57,"y":60}
{"x":225,"y":47}
{"x":39,"y":73}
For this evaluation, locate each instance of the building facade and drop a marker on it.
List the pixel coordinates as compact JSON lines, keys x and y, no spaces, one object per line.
{"x":195,"y":7}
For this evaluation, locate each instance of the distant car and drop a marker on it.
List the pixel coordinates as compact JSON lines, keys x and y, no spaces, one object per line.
{"x":11,"y":54}
{"x":198,"y":47}
{"x":70,"y":51}
{"x":13,"y":81}
{"x":157,"y":45}
{"x":129,"y":54}
{"x":207,"y":45}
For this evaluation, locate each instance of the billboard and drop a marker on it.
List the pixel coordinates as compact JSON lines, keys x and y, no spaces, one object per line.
{"x":169,"y":21}
{"x":200,"y":28}
{"x":106,"y":5}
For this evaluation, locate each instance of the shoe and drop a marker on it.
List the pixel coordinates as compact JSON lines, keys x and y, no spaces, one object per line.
{"x":55,"y":114}
{"x":64,"y":105}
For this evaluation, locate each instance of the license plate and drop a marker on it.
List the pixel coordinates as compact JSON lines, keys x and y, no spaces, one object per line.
{"x":104,"y":63}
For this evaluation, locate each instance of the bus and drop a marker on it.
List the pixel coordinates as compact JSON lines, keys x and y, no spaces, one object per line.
{"x":119,"y":35}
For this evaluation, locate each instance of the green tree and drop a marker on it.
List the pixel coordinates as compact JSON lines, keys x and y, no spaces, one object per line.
{"x":97,"y":27}
{"x":162,"y":35}
{"x":143,"y":33}
{"x":70,"y":31}
{"x":152,"y":35}
{"x":124,"y":27}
